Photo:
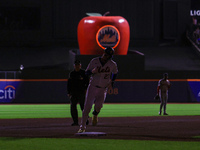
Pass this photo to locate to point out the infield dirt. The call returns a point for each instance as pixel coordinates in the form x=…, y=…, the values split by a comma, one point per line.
x=172, y=128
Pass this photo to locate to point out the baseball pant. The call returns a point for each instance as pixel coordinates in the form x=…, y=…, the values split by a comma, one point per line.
x=96, y=96
x=163, y=100
x=75, y=99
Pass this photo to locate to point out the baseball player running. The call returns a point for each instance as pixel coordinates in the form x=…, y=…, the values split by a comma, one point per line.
x=103, y=71
x=162, y=91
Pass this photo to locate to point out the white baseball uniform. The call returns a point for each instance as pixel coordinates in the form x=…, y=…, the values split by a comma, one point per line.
x=163, y=92
x=97, y=89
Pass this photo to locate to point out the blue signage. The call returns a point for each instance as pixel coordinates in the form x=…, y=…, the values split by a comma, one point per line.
x=195, y=88
x=8, y=91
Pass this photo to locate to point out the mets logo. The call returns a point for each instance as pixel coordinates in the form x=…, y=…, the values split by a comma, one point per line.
x=8, y=92
x=108, y=36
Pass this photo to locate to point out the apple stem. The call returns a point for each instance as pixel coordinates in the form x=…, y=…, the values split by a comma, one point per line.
x=106, y=13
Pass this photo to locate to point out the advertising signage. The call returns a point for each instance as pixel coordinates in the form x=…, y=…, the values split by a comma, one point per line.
x=8, y=91
x=195, y=8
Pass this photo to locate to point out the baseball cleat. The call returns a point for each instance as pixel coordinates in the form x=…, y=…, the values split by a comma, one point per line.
x=165, y=114
x=81, y=130
x=94, y=120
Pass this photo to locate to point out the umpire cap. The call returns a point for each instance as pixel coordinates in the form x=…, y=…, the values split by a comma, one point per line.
x=77, y=62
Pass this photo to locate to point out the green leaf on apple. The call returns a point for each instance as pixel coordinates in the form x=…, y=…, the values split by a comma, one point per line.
x=93, y=14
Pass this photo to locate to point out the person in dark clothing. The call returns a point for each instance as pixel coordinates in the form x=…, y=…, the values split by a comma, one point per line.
x=76, y=86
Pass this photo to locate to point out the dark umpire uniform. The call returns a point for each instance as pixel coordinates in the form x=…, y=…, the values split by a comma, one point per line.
x=77, y=85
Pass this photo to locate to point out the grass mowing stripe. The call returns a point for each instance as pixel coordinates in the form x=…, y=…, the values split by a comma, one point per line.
x=34, y=111
x=109, y=110
x=91, y=144
x=128, y=110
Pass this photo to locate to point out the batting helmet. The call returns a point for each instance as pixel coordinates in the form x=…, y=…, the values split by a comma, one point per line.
x=109, y=50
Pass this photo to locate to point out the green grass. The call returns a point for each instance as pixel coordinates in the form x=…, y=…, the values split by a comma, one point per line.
x=109, y=110
x=35, y=111
x=92, y=144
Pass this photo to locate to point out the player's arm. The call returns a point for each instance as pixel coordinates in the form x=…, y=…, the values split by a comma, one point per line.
x=89, y=68
x=93, y=71
x=69, y=84
x=88, y=72
x=169, y=84
x=158, y=88
x=114, y=75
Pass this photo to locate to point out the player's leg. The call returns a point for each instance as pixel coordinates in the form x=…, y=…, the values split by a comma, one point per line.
x=73, y=110
x=165, y=104
x=161, y=103
x=100, y=98
x=161, y=106
x=98, y=105
x=89, y=100
x=82, y=103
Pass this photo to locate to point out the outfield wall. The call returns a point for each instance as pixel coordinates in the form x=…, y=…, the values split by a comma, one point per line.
x=55, y=91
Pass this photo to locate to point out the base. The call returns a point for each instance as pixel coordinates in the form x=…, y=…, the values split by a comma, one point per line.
x=89, y=134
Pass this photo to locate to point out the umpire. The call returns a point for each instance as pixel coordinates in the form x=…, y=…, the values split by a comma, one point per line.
x=76, y=86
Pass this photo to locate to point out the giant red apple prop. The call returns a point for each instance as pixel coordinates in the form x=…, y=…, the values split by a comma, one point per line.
x=95, y=33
